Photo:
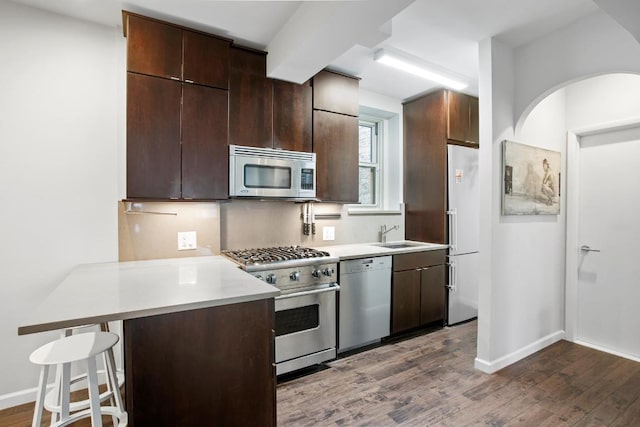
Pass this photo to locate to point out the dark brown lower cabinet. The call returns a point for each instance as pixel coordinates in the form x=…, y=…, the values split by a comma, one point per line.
x=211, y=366
x=417, y=290
x=406, y=300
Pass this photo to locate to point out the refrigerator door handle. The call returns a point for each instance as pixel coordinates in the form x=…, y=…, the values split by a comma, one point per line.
x=453, y=279
x=453, y=229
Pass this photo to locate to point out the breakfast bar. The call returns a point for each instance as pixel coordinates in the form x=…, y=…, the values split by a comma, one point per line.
x=197, y=336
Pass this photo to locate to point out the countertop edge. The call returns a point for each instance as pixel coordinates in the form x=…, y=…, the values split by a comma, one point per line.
x=364, y=250
x=56, y=325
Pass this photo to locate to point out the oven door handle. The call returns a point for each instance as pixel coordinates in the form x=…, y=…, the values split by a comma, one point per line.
x=332, y=288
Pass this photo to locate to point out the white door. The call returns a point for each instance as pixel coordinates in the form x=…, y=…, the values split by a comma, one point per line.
x=608, y=294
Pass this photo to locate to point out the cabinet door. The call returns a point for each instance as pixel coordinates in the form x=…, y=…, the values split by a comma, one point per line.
x=458, y=124
x=292, y=117
x=206, y=60
x=335, y=142
x=205, y=153
x=220, y=358
x=153, y=137
x=405, y=301
x=432, y=294
x=336, y=93
x=425, y=168
x=153, y=48
x=250, y=100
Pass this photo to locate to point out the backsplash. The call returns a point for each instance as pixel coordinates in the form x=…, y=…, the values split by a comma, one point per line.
x=251, y=224
x=149, y=230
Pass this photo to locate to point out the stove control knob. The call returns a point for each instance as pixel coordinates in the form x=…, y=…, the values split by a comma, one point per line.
x=295, y=276
x=259, y=276
x=328, y=271
x=315, y=273
x=271, y=279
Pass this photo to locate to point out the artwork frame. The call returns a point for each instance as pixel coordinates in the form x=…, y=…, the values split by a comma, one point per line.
x=530, y=180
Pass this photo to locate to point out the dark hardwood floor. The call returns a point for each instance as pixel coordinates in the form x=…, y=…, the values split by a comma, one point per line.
x=429, y=380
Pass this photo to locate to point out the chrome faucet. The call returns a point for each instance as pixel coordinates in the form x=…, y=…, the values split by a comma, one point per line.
x=384, y=231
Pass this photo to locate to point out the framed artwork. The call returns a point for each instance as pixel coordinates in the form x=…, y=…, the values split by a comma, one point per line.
x=531, y=180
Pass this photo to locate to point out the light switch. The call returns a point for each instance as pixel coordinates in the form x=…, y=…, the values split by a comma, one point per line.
x=187, y=240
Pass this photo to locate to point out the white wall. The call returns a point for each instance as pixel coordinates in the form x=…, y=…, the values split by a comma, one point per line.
x=60, y=104
x=602, y=100
x=591, y=46
x=522, y=276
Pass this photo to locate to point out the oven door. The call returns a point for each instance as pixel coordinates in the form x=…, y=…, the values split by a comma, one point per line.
x=305, y=328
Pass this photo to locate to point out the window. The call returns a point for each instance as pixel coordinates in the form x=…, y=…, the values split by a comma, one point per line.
x=370, y=165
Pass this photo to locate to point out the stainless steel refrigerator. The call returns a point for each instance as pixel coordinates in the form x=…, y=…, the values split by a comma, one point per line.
x=464, y=237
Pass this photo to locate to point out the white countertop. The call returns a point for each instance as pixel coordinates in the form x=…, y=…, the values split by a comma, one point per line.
x=360, y=250
x=95, y=293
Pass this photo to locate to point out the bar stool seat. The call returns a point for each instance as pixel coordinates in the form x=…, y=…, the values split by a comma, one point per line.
x=75, y=348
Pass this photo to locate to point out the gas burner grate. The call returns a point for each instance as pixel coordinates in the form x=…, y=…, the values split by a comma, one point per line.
x=273, y=254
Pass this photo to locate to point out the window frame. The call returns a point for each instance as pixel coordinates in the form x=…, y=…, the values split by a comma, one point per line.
x=376, y=124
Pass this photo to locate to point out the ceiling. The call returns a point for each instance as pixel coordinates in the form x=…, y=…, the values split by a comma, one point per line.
x=303, y=37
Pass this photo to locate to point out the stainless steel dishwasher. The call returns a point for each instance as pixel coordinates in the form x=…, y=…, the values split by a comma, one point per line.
x=365, y=301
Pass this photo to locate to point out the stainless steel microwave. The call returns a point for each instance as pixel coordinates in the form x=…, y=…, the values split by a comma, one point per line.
x=271, y=173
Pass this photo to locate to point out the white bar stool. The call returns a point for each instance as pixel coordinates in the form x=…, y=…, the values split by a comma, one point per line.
x=53, y=401
x=82, y=347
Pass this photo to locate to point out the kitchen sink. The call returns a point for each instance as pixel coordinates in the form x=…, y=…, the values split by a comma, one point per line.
x=399, y=245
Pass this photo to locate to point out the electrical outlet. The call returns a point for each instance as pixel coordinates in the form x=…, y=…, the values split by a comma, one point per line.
x=328, y=233
x=187, y=240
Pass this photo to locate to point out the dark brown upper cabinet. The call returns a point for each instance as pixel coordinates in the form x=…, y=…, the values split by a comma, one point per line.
x=176, y=140
x=292, y=116
x=335, y=92
x=205, y=152
x=335, y=136
x=430, y=123
x=335, y=142
x=250, y=99
x=153, y=137
x=165, y=50
x=264, y=112
x=462, y=123
x=206, y=60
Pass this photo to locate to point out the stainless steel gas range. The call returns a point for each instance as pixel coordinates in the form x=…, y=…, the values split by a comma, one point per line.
x=306, y=309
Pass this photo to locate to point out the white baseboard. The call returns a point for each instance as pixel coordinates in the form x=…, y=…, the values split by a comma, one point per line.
x=504, y=361
x=18, y=398
x=607, y=350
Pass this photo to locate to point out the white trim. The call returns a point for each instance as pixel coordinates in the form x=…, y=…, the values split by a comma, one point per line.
x=573, y=190
x=608, y=350
x=504, y=361
x=19, y=397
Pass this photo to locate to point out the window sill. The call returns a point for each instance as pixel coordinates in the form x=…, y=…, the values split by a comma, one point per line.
x=372, y=211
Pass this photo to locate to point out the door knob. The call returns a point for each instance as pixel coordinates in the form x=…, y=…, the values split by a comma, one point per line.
x=586, y=248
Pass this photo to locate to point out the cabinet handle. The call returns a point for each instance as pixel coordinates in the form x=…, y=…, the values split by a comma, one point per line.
x=174, y=78
x=188, y=81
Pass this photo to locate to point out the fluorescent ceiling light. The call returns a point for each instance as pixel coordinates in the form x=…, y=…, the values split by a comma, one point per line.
x=418, y=68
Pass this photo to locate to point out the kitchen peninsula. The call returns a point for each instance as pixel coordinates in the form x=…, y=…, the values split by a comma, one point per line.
x=197, y=332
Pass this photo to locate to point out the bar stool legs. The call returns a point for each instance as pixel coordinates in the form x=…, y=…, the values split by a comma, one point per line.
x=52, y=400
x=83, y=347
